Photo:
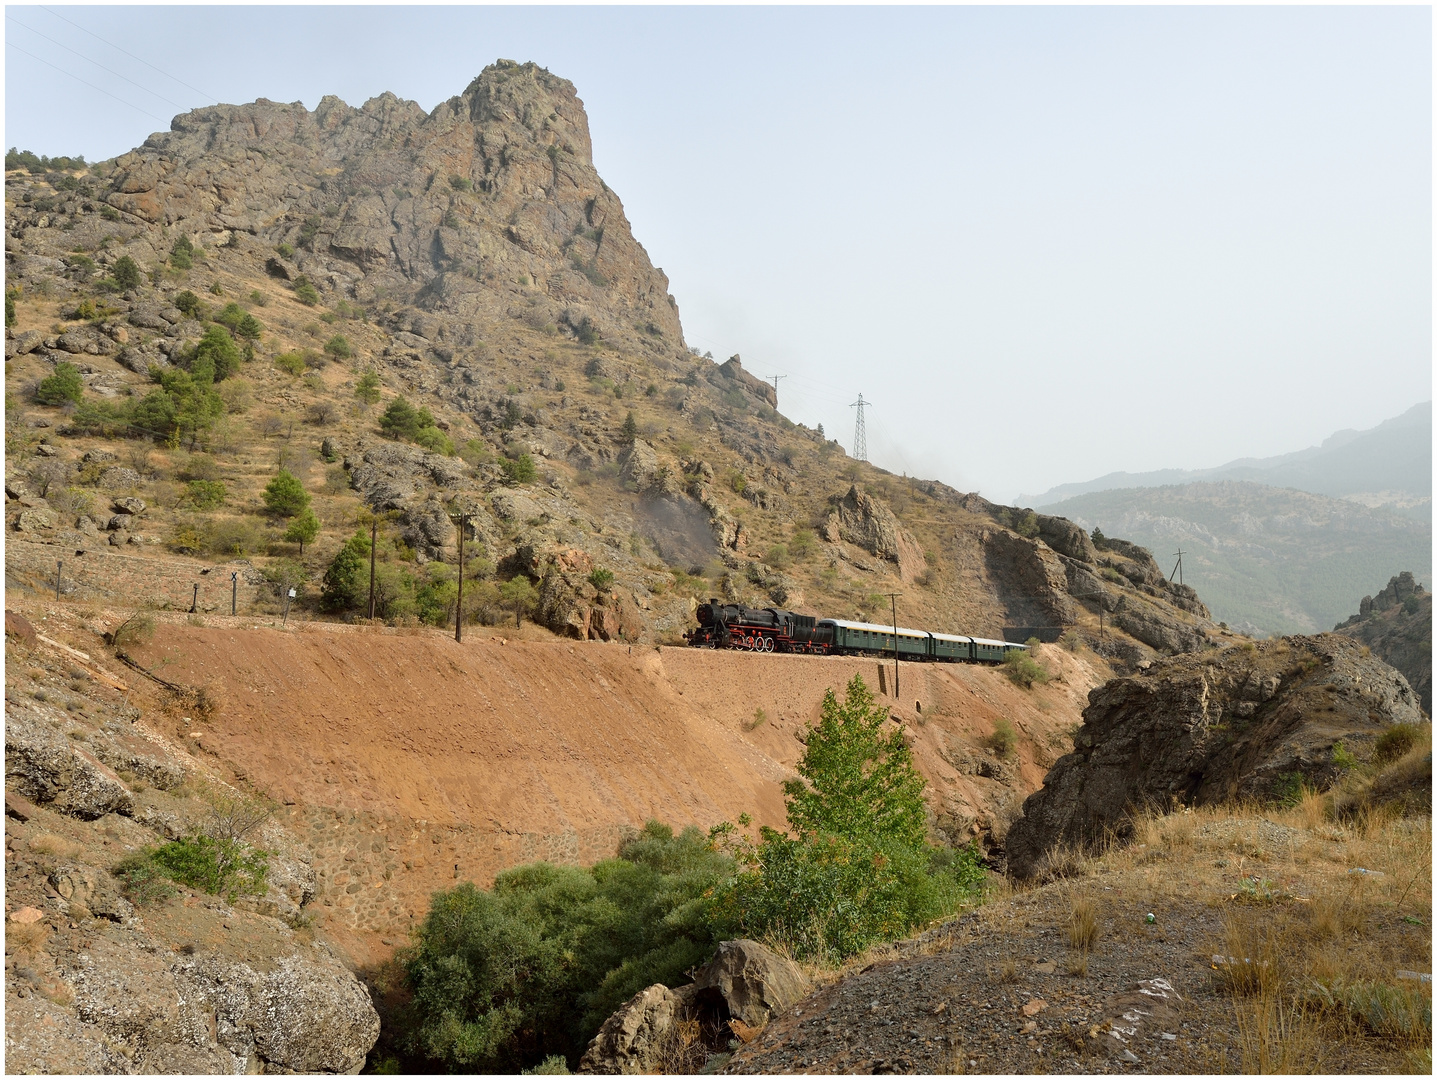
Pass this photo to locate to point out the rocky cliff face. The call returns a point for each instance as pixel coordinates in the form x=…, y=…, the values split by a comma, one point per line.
x=1396, y=625
x=100, y=979
x=1240, y=723
x=495, y=185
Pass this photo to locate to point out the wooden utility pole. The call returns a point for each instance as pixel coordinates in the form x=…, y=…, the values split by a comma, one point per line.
x=775, y=379
x=463, y=520
x=373, y=537
x=1178, y=569
x=893, y=596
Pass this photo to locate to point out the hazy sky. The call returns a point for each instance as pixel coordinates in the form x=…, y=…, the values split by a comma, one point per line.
x=1046, y=243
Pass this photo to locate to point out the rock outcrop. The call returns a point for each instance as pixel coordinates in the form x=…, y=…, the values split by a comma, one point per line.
x=1211, y=727
x=744, y=982
x=860, y=519
x=1396, y=625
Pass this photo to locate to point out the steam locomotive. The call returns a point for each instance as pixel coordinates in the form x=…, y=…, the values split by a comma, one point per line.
x=731, y=626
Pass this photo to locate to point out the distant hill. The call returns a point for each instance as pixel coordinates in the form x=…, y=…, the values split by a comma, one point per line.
x=1389, y=465
x=1264, y=559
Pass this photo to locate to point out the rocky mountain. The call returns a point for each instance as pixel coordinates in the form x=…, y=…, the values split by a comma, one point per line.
x=1396, y=625
x=1389, y=465
x=1267, y=560
x=445, y=315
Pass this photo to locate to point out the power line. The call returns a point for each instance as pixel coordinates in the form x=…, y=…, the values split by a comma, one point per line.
x=131, y=55
x=91, y=85
x=99, y=65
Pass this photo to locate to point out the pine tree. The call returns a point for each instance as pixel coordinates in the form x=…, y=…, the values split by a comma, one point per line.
x=303, y=528
x=285, y=495
x=630, y=429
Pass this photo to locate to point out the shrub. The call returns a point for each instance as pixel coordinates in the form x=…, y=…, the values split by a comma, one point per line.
x=519, y=470
x=216, y=357
x=1099, y=540
x=206, y=494
x=182, y=254
x=285, y=495
x=431, y=438
x=1023, y=670
x=292, y=363
x=461, y=183
x=125, y=271
x=141, y=880
x=189, y=304
x=257, y=298
x=1342, y=757
x=65, y=385
x=305, y=292
x=285, y=251
x=339, y=347
x=802, y=544
x=630, y=430
x=509, y=977
x=602, y=579
x=1396, y=741
x=240, y=322
x=1004, y=737
x=136, y=628
x=221, y=867
x=402, y=420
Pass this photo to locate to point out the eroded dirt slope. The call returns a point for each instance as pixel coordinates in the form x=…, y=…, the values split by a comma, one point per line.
x=405, y=760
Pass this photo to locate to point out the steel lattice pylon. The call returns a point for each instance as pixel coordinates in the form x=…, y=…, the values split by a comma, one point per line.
x=860, y=434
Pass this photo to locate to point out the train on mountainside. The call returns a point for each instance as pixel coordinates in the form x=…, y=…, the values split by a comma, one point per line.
x=732, y=626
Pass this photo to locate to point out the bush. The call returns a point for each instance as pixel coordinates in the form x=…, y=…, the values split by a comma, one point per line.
x=189, y=304
x=1023, y=670
x=431, y=438
x=240, y=323
x=1396, y=741
x=126, y=271
x=292, y=363
x=602, y=579
x=1004, y=737
x=339, y=347
x=509, y=977
x=182, y=253
x=221, y=867
x=519, y=470
x=63, y=387
x=206, y=494
x=285, y=495
x=305, y=292
x=402, y=420
x=216, y=357
x=142, y=880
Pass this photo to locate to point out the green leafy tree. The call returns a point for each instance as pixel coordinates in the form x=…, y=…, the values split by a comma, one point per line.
x=402, y=420
x=285, y=495
x=367, y=388
x=216, y=357
x=346, y=582
x=126, y=273
x=339, y=347
x=182, y=253
x=504, y=979
x=64, y=386
x=303, y=528
x=857, y=780
x=518, y=594
x=858, y=868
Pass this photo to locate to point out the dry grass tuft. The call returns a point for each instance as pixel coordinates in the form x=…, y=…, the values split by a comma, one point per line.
x=23, y=936
x=1278, y=1036
x=1082, y=930
x=54, y=844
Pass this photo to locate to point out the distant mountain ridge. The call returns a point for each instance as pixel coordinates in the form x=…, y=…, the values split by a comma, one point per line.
x=1390, y=464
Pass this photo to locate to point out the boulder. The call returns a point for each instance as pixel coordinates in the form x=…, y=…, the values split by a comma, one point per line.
x=1068, y=539
x=119, y=478
x=128, y=506
x=1206, y=728
x=632, y=1039
x=43, y=766
x=753, y=982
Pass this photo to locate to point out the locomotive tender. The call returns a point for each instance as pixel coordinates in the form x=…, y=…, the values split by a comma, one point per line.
x=731, y=626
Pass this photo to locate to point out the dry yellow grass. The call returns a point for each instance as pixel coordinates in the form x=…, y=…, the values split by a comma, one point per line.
x=53, y=844
x=1083, y=924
